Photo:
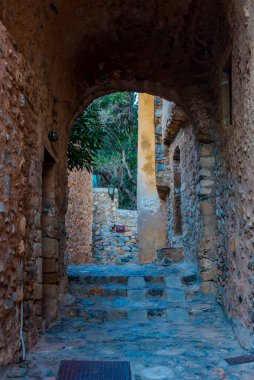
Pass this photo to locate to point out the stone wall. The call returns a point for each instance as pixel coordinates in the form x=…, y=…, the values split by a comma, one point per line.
x=208, y=246
x=177, y=168
x=235, y=175
x=109, y=246
x=182, y=203
x=204, y=111
x=162, y=119
x=185, y=177
x=27, y=238
x=50, y=70
x=13, y=185
x=79, y=217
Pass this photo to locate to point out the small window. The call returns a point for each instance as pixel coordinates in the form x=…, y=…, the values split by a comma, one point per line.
x=176, y=156
x=177, y=214
x=177, y=169
x=177, y=192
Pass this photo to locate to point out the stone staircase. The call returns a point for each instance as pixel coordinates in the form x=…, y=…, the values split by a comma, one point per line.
x=155, y=317
x=135, y=293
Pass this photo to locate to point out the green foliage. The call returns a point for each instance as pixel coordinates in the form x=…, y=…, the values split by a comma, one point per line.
x=117, y=159
x=105, y=138
x=86, y=139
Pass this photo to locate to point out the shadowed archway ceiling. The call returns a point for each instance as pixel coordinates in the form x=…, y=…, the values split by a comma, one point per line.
x=94, y=41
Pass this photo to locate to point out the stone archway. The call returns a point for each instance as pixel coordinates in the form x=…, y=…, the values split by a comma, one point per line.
x=58, y=56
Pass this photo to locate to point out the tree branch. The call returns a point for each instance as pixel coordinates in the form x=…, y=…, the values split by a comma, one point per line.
x=103, y=175
x=126, y=166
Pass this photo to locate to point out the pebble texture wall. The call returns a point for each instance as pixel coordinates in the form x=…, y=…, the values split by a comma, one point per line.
x=185, y=176
x=22, y=121
x=79, y=217
x=182, y=204
x=13, y=219
x=235, y=178
x=177, y=168
x=109, y=246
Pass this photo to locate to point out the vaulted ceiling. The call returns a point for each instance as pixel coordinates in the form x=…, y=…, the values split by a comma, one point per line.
x=89, y=43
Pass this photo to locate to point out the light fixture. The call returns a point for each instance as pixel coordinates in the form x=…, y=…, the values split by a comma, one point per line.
x=53, y=136
x=111, y=191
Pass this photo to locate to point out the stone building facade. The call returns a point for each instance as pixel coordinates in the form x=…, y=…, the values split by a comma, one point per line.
x=73, y=52
x=177, y=164
x=109, y=245
x=185, y=181
x=78, y=219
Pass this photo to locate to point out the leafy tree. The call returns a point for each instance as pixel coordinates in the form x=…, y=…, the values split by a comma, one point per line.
x=105, y=138
x=117, y=159
x=86, y=139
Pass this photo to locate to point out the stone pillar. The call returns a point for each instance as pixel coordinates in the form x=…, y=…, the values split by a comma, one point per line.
x=208, y=256
x=50, y=242
x=151, y=221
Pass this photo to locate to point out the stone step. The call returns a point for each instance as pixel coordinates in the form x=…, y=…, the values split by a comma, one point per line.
x=137, y=281
x=137, y=293
x=89, y=274
x=116, y=291
x=100, y=290
x=154, y=279
x=141, y=315
x=175, y=307
x=88, y=280
x=173, y=300
x=121, y=309
x=171, y=313
x=150, y=291
x=153, y=287
x=133, y=282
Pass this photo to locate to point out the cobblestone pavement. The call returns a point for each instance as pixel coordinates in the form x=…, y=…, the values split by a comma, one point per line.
x=154, y=317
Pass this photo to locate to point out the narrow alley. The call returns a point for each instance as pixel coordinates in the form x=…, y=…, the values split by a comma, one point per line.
x=155, y=317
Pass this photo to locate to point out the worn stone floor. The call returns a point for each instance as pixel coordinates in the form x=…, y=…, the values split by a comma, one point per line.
x=154, y=317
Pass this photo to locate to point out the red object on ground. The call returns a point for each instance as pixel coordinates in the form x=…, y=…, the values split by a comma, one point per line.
x=120, y=228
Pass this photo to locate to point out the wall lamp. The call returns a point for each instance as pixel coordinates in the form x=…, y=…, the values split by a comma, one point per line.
x=53, y=136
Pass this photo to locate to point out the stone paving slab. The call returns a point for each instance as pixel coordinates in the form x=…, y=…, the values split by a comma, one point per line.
x=191, y=342
x=132, y=270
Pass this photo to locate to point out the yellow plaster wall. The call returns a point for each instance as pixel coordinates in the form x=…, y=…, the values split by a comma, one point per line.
x=151, y=219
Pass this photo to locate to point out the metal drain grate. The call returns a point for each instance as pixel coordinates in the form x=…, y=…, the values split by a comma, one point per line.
x=240, y=359
x=93, y=370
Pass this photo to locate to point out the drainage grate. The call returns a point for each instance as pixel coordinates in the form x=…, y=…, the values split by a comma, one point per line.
x=240, y=359
x=93, y=370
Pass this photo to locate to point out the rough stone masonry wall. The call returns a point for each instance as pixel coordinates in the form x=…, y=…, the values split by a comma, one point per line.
x=110, y=247
x=183, y=139
x=79, y=217
x=46, y=77
x=208, y=247
x=188, y=237
x=187, y=181
x=25, y=112
x=204, y=111
x=235, y=177
x=13, y=220
x=32, y=233
x=161, y=117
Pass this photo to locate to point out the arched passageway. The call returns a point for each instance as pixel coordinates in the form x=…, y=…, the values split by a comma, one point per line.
x=56, y=57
